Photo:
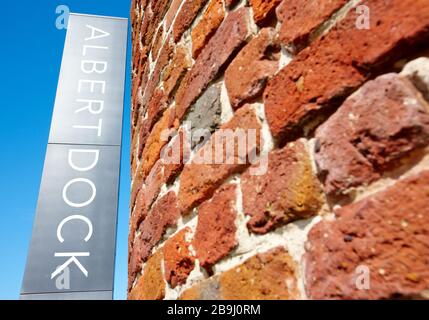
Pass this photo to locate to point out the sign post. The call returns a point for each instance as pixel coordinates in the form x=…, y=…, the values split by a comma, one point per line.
x=72, y=250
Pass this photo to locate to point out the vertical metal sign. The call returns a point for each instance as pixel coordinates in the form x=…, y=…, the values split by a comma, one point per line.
x=72, y=250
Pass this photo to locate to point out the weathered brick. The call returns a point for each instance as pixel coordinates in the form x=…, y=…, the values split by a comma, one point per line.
x=145, y=28
x=178, y=259
x=143, y=135
x=289, y=189
x=161, y=63
x=153, y=184
x=301, y=18
x=266, y=276
x=157, y=44
x=150, y=286
x=418, y=72
x=156, y=140
x=171, y=13
x=263, y=10
x=164, y=214
x=231, y=36
x=133, y=166
x=133, y=15
x=319, y=78
x=200, y=178
x=230, y=3
x=215, y=234
x=374, y=128
x=186, y=16
x=137, y=216
x=174, y=72
x=139, y=213
x=136, y=185
x=134, y=147
x=207, y=26
x=385, y=234
x=137, y=83
x=247, y=75
x=159, y=8
x=134, y=260
x=156, y=106
x=143, y=84
x=175, y=155
x=205, y=113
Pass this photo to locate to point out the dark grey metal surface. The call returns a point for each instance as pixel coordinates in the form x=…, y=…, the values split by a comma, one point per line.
x=72, y=251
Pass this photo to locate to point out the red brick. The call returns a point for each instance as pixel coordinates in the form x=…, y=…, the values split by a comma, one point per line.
x=171, y=13
x=247, y=75
x=134, y=147
x=133, y=166
x=153, y=184
x=159, y=8
x=143, y=84
x=160, y=64
x=200, y=179
x=139, y=213
x=137, y=216
x=178, y=259
x=136, y=185
x=265, y=276
x=157, y=44
x=301, y=18
x=207, y=26
x=137, y=82
x=215, y=234
x=387, y=233
x=230, y=3
x=156, y=140
x=175, y=71
x=134, y=261
x=188, y=12
x=143, y=135
x=177, y=152
x=150, y=286
x=263, y=10
x=288, y=191
x=374, y=129
x=231, y=36
x=319, y=78
x=146, y=28
x=132, y=12
x=164, y=214
x=156, y=106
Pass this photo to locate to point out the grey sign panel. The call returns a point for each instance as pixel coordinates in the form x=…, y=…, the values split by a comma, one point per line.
x=90, y=93
x=75, y=219
x=72, y=250
x=90, y=295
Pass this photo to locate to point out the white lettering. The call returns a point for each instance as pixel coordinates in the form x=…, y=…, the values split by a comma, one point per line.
x=82, y=204
x=90, y=104
x=82, y=151
x=93, y=66
x=74, y=217
x=72, y=256
x=96, y=33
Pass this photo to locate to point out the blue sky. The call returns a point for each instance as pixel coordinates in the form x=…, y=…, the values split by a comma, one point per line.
x=30, y=58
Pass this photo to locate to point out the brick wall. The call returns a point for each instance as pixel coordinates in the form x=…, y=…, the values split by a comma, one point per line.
x=330, y=196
